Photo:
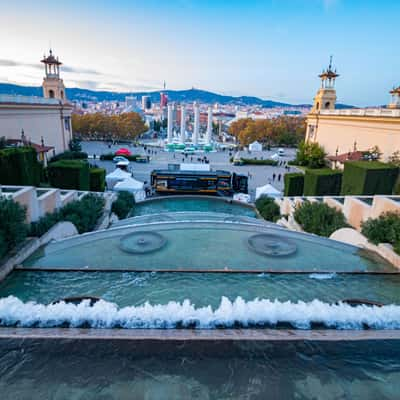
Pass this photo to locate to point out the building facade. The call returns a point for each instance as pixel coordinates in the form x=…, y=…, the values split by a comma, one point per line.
x=40, y=120
x=352, y=130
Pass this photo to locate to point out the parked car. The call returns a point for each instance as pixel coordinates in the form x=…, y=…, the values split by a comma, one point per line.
x=281, y=152
x=119, y=158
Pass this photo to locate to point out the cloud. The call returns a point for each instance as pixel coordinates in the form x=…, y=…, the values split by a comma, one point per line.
x=65, y=68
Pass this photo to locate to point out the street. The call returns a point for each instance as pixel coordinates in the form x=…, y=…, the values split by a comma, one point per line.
x=259, y=175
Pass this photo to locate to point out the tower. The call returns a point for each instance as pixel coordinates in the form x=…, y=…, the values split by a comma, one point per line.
x=326, y=95
x=53, y=85
x=196, y=127
x=395, y=103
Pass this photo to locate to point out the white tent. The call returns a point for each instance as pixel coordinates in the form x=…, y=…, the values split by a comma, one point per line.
x=267, y=190
x=255, y=146
x=116, y=176
x=133, y=186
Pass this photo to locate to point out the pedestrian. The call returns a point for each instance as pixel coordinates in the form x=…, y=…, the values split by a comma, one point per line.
x=279, y=177
x=273, y=176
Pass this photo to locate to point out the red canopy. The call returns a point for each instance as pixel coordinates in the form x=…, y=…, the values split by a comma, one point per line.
x=123, y=152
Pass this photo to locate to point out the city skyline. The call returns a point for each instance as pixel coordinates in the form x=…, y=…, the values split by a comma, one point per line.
x=269, y=49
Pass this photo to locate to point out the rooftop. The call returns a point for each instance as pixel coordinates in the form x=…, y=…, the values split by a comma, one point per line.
x=17, y=99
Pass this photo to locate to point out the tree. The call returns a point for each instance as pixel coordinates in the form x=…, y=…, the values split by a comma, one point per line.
x=311, y=155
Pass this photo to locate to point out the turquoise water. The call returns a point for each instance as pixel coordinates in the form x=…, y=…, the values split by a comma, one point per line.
x=135, y=289
x=184, y=216
x=190, y=203
x=201, y=245
x=110, y=370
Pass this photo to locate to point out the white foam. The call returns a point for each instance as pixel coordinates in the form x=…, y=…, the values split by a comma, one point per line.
x=13, y=312
x=322, y=276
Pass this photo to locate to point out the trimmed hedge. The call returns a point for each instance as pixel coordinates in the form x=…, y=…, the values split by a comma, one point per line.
x=368, y=178
x=13, y=229
x=123, y=204
x=19, y=166
x=268, y=209
x=83, y=213
x=322, y=182
x=294, y=184
x=251, y=161
x=97, y=177
x=70, y=155
x=384, y=229
x=319, y=218
x=110, y=156
x=69, y=174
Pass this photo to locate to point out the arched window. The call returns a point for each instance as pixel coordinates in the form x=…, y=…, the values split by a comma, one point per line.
x=51, y=94
x=327, y=104
x=62, y=94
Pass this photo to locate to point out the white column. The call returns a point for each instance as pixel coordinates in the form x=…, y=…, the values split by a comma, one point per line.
x=196, y=127
x=170, y=123
x=183, y=123
x=209, y=126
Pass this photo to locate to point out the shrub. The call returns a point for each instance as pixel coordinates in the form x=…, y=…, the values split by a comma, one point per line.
x=319, y=218
x=311, y=155
x=13, y=229
x=368, y=178
x=69, y=174
x=97, y=177
x=75, y=145
x=123, y=204
x=268, y=209
x=251, y=161
x=294, y=184
x=19, y=166
x=83, y=213
x=322, y=182
x=40, y=227
x=70, y=155
x=384, y=229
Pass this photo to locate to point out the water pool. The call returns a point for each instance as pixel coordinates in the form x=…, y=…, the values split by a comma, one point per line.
x=185, y=216
x=122, y=370
x=202, y=246
x=192, y=203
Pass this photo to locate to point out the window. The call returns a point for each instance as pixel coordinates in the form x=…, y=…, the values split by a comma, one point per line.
x=51, y=94
x=327, y=104
x=67, y=123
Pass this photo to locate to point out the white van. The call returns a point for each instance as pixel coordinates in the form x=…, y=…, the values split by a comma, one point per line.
x=281, y=152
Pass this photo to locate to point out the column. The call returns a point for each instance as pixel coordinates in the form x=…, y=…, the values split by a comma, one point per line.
x=170, y=123
x=209, y=127
x=196, y=127
x=183, y=123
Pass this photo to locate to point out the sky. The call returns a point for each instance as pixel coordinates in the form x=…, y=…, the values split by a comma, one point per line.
x=273, y=49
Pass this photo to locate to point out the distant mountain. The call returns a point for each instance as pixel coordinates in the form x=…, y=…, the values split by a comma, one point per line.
x=189, y=95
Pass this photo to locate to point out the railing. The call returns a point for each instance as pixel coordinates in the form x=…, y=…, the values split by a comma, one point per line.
x=364, y=112
x=17, y=99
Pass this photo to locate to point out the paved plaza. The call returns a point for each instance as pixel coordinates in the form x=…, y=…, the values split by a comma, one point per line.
x=259, y=175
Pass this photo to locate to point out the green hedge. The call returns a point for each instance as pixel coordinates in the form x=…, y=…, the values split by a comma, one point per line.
x=70, y=155
x=123, y=204
x=368, y=178
x=19, y=166
x=268, y=209
x=294, y=184
x=319, y=218
x=97, y=177
x=251, y=161
x=13, y=228
x=83, y=213
x=110, y=156
x=322, y=182
x=69, y=174
x=384, y=229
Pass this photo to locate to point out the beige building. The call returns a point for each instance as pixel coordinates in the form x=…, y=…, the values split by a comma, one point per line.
x=343, y=131
x=44, y=121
